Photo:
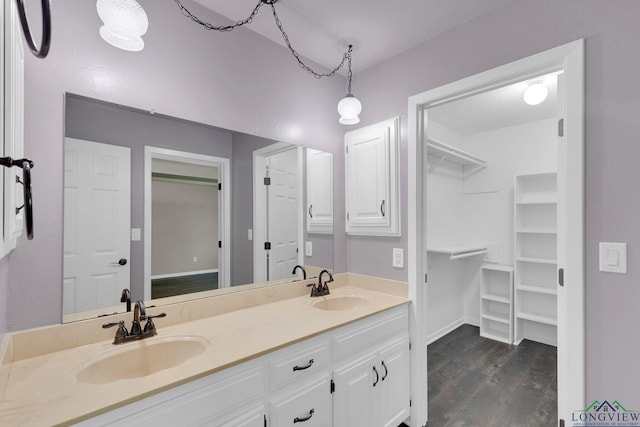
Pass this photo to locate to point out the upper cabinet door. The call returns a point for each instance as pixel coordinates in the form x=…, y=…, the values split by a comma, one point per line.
x=319, y=192
x=372, y=184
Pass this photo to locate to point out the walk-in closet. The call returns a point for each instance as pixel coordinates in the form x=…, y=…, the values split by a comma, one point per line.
x=491, y=220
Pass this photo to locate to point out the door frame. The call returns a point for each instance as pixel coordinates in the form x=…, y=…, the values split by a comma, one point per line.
x=224, y=208
x=571, y=321
x=260, y=203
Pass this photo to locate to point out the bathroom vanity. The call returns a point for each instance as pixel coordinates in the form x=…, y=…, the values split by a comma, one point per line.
x=277, y=357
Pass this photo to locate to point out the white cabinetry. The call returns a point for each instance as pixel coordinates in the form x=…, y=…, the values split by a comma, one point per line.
x=11, y=124
x=319, y=192
x=536, y=258
x=372, y=182
x=371, y=388
x=496, y=303
x=356, y=375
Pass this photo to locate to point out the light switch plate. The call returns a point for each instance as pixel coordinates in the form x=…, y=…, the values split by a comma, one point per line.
x=398, y=257
x=613, y=257
x=135, y=234
x=308, y=248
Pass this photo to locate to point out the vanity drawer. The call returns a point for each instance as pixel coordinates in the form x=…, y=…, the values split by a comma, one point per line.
x=299, y=362
x=308, y=405
x=360, y=336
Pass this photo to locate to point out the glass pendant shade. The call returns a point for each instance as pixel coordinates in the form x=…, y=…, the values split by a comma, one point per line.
x=125, y=21
x=536, y=93
x=349, y=108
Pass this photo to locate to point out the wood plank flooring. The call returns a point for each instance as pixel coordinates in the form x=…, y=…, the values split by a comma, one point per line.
x=474, y=381
x=171, y=286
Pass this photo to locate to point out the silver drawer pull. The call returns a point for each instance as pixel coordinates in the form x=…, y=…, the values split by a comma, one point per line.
x=302, y=368
x=307, y=418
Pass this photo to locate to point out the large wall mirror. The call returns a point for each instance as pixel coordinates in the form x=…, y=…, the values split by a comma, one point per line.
x=163, y=209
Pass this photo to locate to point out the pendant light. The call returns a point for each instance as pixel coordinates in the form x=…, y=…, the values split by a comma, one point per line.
x=536, y=92
x=349, y=107
x=125, y=21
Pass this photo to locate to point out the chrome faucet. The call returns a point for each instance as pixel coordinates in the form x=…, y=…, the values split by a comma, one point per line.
x=304, y=272
x=321, y=289
x=136, y=333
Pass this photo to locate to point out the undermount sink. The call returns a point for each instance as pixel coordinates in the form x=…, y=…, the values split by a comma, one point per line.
x=140, y=359
x=340, y=302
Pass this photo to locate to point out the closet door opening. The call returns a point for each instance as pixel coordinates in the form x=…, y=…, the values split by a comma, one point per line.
x=499, y=198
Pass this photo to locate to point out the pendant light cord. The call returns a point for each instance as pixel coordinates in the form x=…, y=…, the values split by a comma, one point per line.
x=226, y=28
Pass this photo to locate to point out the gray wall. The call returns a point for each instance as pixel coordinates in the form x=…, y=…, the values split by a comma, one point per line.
x=101, y=122
x=238, y=81
x=519, y=29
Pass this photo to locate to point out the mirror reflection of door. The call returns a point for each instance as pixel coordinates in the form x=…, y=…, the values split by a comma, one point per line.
x=97, y=216
x=185, y=228
x=282, y=213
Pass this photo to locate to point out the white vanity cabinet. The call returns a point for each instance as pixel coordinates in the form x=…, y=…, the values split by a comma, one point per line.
x=371, y=383
x=11, y=124
x=327, y=380
x=372, y=182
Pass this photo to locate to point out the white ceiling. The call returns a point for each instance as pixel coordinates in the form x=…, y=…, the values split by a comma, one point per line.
x=495, y=109
x=322, y=29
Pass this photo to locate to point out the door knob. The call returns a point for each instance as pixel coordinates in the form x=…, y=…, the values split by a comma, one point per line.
x=121, y=261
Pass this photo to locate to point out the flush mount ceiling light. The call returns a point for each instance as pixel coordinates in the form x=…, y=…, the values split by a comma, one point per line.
x=125, y=22
x=349, y=107
x=536, y=92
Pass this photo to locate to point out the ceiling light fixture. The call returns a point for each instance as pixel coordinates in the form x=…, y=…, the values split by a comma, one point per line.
x=536, y=92
x=349, y=106
x=125, y=22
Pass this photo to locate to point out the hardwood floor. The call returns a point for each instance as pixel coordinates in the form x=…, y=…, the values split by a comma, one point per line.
x=474, y=381
x=168, y=287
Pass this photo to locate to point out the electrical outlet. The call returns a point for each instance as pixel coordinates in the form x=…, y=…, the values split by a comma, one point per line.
x=398, y=257
x=135, y=234
x=308, y=248
x=195, y=259
x=250, y=234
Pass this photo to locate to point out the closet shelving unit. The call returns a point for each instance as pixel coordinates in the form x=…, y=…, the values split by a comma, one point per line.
x=459, y=251
x=441, y=151
x=535, y=274
x=496, y=303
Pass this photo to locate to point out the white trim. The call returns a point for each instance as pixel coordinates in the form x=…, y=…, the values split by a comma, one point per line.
x=183, y=274
x=259, y=202
x=224, y=167
x=571, y=320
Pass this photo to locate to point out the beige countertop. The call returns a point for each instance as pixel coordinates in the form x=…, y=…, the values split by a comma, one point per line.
x=42, y=389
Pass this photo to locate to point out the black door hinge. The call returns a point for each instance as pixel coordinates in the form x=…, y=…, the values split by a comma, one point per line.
x=409, y=346
x=561, y=127
x=219, y=186
x=267, y=246
x=561, y=277
x=265, y=421
x=409, y=402
x=332, y=387
x=425, y=278
x=219, y=243
x=267, y=180
x=561, y=423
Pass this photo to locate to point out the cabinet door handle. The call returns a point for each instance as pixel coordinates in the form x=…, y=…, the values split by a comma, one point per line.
x=386, y=371
x=302, y=368
x=377, y=376
x=307, y=418
x=382, y=208
x=311, y=211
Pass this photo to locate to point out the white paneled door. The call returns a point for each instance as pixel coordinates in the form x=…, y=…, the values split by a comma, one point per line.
x=282, y=211
x=97, y=216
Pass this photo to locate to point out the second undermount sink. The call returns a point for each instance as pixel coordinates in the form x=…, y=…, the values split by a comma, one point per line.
x=141, y=358
x=340, y=302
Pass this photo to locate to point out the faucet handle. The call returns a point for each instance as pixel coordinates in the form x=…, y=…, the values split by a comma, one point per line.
x=121, y=333
x=150, y=327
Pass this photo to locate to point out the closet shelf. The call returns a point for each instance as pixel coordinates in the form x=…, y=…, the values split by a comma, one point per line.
x=496, y=319
x=536, y=231
x=446, y=152
x=537, y=260
x=537, y=318
x=496, y=298
x=537, y=289
x=462, y=251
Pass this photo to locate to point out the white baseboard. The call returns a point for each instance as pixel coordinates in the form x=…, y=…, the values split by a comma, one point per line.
x=186, y=273
x=435, y=336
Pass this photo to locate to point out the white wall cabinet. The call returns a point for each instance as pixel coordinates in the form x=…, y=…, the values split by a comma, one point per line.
x=304, y=384
x=11, y=124
x=496, y=303
x=536, y=258
x=319, y=192
x=372, y=181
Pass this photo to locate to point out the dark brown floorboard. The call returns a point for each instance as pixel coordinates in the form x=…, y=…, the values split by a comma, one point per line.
x=478, y=382
x=171, y=286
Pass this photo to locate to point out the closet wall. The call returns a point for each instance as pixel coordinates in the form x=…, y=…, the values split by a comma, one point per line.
x=476, y=208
